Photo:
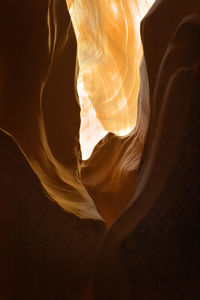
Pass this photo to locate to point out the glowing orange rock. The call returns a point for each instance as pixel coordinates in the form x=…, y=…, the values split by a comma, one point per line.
x=109, y=56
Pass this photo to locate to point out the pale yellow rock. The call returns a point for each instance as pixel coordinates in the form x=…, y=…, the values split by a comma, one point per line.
x=109, y=57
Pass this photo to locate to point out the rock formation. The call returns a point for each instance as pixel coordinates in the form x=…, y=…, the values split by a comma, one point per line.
x=145, y=185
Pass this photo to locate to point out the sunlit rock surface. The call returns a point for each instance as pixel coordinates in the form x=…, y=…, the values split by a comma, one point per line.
x=109, y=56
x=110, y=173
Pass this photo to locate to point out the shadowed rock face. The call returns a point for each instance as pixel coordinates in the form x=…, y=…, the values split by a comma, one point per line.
x=38, y=99
x=152, y=250
x=45, y=252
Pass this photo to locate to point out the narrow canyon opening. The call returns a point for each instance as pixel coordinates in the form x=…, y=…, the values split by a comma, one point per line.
x=108, y=60
x=112, y=90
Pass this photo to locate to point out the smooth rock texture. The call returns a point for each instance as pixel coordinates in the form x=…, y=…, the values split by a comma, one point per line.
x=145, y=185
x=152, y=250
x=45, y=253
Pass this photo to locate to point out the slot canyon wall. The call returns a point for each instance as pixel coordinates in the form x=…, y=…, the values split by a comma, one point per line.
x=45, y=252
x=152, y=250
x=146, y=184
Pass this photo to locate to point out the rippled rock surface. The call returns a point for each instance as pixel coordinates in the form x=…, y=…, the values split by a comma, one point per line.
x=146, y=184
